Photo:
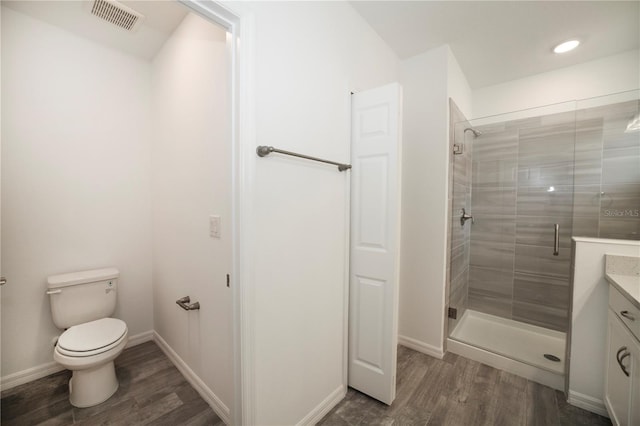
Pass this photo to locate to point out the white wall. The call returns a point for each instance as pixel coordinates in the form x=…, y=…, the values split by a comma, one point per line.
x=589, y=319
x=613, y=74
x=428, y=79
x=191, y=179
x=458, y=87
x=424, y=186
x=75, y=179
x=308, y=56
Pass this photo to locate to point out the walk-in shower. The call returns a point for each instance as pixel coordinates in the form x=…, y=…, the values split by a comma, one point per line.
x=521, y=186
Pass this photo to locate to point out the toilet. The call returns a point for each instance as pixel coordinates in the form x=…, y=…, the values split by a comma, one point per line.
x=81, y=304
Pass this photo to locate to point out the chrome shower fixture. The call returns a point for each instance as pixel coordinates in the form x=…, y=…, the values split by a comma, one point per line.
x=475, y=132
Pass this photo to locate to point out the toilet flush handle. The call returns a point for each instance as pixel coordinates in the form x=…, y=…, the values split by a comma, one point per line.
x=58, y=291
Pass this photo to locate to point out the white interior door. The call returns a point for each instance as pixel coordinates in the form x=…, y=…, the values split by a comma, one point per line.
x=375, y=238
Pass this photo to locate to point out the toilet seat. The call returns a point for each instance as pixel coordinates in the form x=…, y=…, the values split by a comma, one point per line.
x=92, y=338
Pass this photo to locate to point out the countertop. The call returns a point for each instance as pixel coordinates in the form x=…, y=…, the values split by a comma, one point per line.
x=623, y=272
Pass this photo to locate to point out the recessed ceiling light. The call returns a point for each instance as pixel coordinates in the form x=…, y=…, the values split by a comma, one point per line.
x=566, y=46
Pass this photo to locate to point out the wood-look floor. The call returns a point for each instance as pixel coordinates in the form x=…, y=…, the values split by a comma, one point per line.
x=453, y=391
x=152, y=391
x=459, y=392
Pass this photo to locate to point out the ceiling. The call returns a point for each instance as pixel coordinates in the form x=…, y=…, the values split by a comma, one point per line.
x=498, y=41
x=493, y=41
x=161, y=18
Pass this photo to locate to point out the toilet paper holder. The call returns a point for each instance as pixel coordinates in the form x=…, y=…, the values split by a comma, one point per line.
x=185, y=303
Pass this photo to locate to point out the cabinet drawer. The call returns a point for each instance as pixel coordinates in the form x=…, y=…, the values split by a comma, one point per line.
x=627, y=312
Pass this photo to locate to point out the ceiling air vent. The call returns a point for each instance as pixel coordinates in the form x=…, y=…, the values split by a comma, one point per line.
x=117, y=14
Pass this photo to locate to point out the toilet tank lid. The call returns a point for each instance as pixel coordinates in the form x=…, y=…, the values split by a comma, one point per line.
x=83, y=277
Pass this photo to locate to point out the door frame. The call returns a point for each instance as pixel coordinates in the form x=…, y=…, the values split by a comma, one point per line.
x=239, y=27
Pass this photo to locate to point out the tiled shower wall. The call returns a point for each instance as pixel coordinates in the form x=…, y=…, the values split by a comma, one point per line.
x=611, y=157
x=522, y=184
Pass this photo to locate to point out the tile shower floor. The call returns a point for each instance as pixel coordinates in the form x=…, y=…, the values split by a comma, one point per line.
x=522, y=342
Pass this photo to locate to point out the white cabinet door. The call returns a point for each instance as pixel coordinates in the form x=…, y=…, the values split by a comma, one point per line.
x=634, y=400
x=375, y=237
x=621, y=358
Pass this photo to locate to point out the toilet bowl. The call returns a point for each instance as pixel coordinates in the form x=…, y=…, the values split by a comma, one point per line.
x=82, y=304
x=89, y=350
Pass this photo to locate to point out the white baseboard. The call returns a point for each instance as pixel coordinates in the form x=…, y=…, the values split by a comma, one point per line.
x=38, y=372
x=30, y=374
x=139, y=338
x=324, y=407
x=422, y=347
x=587, y=402
x=207, y=394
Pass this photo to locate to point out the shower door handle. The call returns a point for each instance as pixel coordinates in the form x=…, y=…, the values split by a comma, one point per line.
x=556, y=239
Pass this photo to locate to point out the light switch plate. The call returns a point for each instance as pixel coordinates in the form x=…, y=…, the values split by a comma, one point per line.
x=214, y=226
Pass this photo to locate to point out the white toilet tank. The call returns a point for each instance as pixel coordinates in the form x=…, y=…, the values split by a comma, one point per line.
x=80, y=297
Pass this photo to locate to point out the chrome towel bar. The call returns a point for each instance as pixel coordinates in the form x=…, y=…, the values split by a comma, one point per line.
x=185, y=303
x=264, y=150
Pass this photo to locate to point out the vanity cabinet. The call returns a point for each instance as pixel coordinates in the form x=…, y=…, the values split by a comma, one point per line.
x=622, y=381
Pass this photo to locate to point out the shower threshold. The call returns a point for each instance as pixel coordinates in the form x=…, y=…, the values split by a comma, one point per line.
x=512, y=346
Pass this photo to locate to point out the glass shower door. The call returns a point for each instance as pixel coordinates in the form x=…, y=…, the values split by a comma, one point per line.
x=608, y=168
x=531, y=180
x=519, y=190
